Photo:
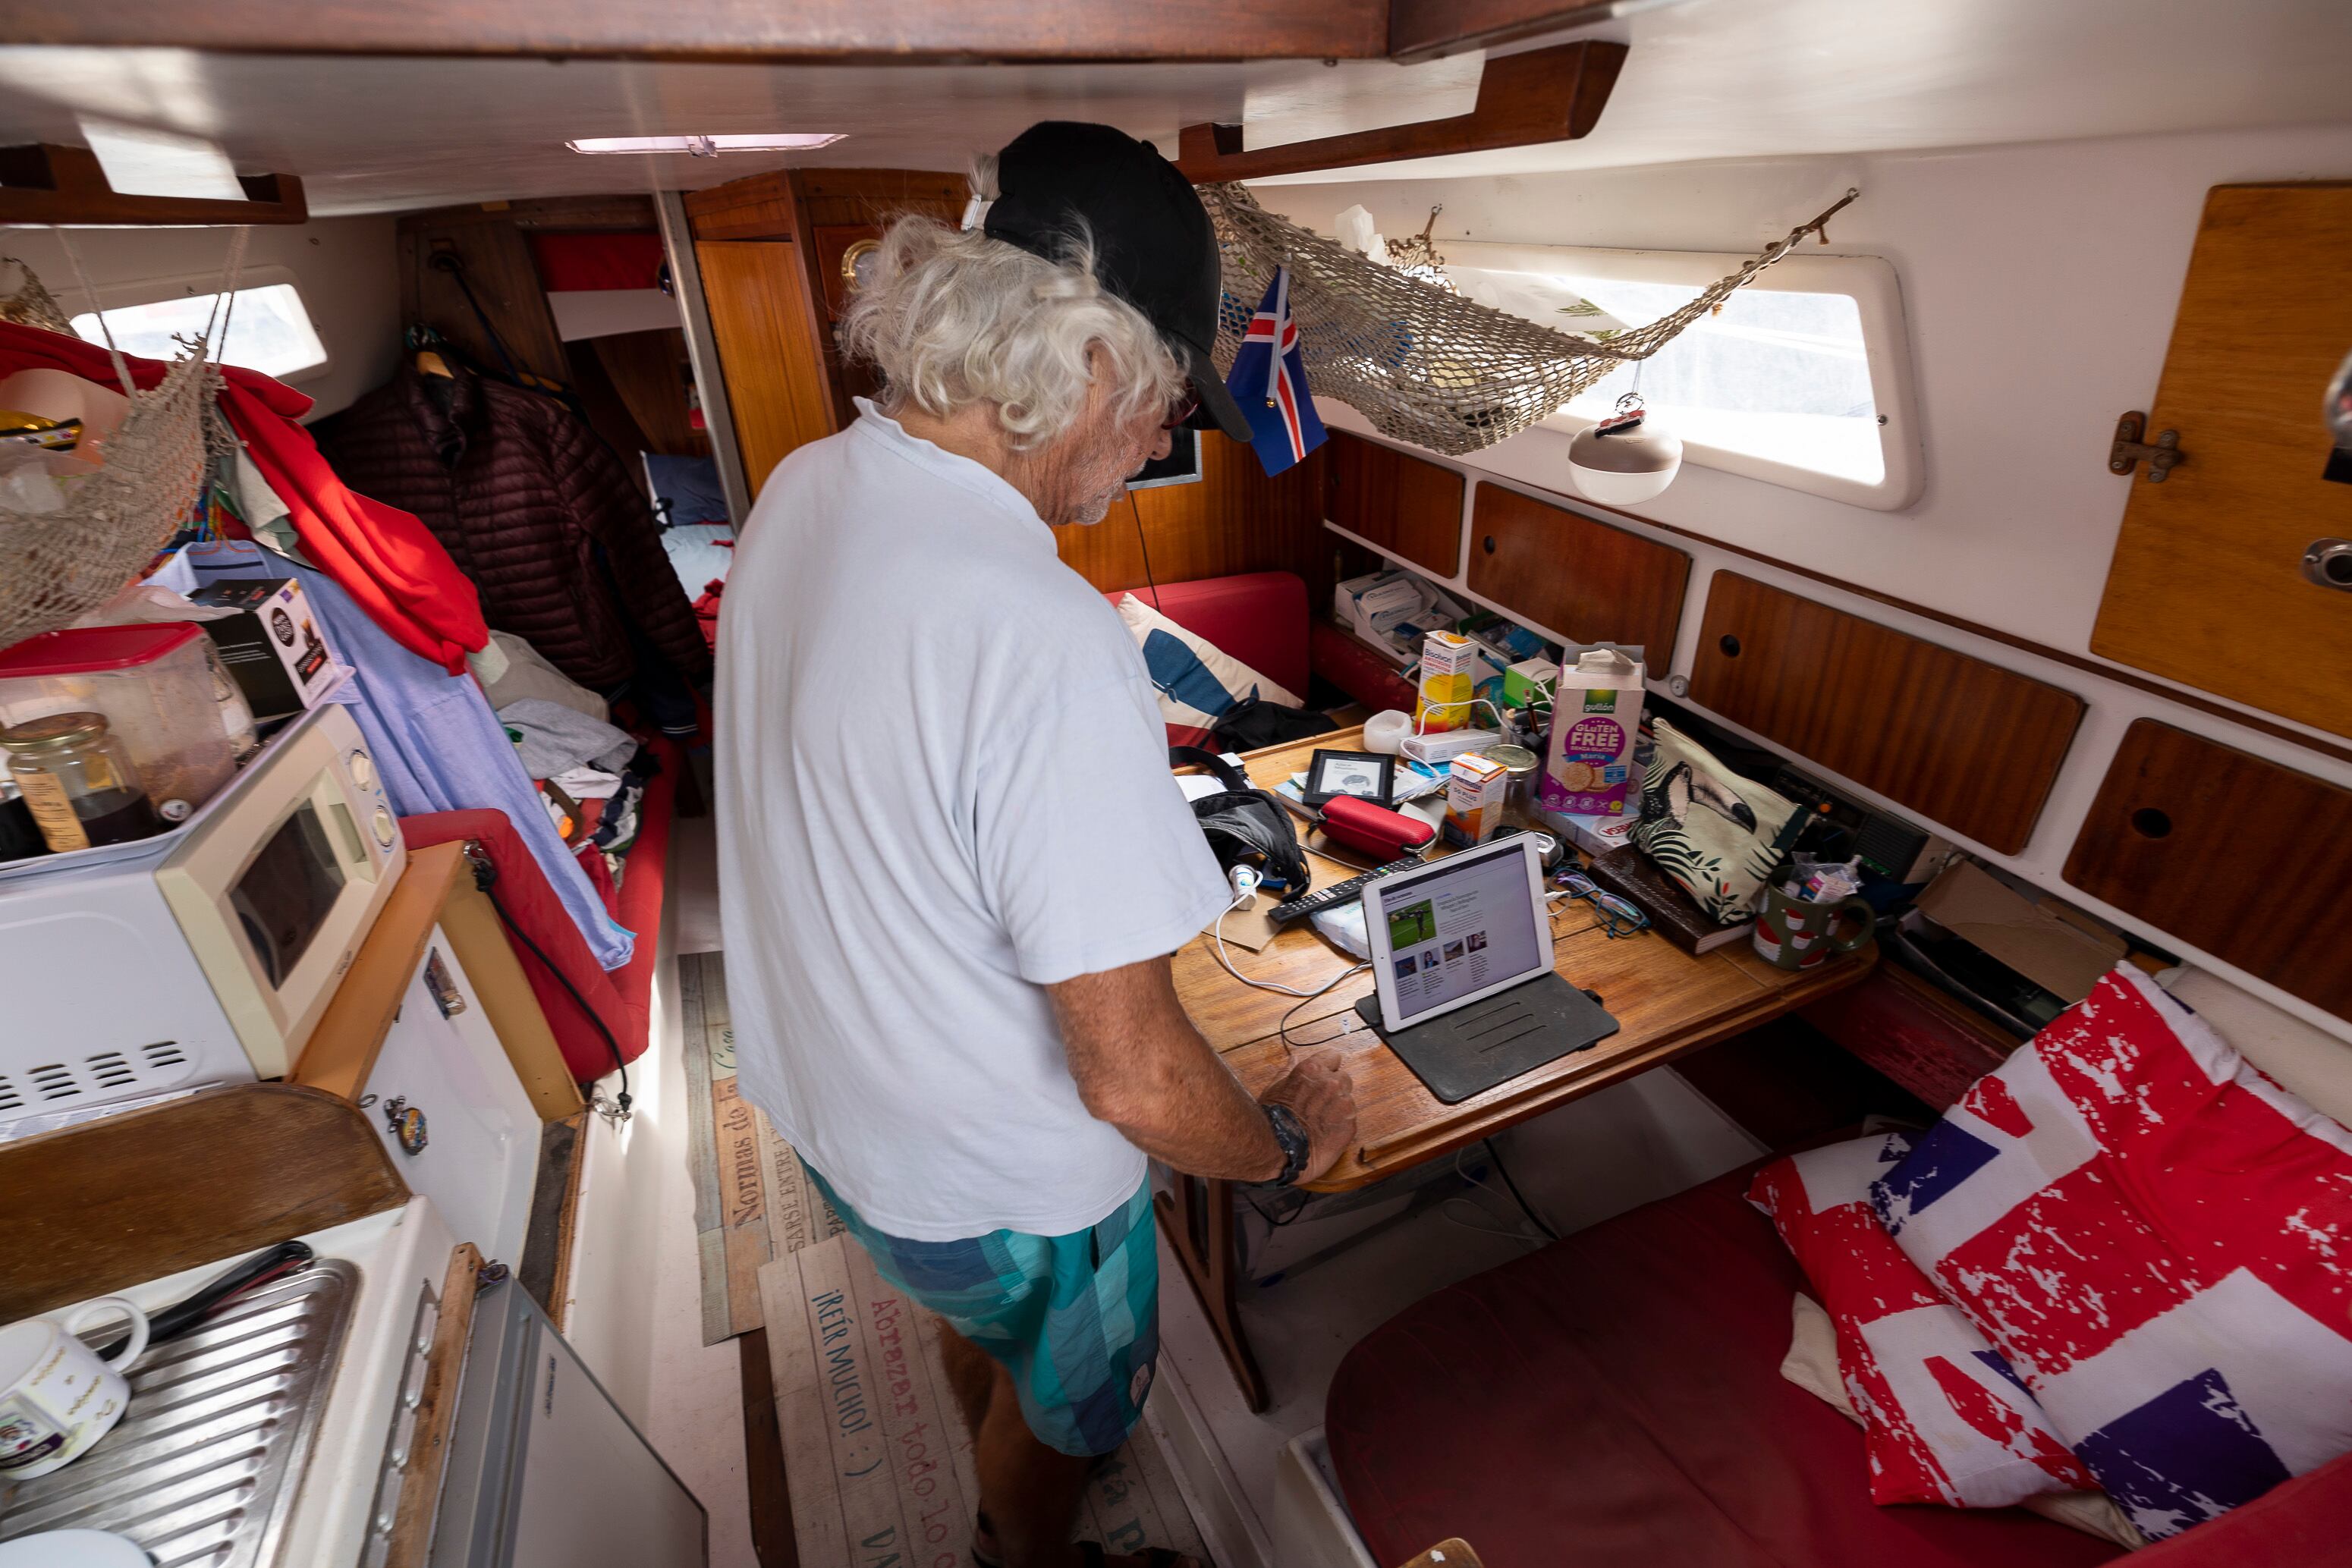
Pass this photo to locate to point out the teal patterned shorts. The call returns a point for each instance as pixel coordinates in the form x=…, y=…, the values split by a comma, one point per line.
x=1075, y=1319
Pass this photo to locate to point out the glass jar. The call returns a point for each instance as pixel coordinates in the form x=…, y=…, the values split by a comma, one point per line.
x=1523, y=767
x=20, y=836
x=78, y=782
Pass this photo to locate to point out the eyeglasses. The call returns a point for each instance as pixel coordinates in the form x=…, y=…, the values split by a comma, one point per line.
x=1185, y=408
x=1618, y=918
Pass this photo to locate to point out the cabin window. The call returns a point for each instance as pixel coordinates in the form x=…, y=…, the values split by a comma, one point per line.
x=1802, y=378
x=270, y=330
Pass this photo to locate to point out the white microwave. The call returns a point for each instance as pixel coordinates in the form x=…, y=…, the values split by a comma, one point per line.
x=208, y=957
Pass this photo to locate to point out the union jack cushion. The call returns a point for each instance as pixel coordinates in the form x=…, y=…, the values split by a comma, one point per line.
x=1944, y=1420
x=2159, y=1239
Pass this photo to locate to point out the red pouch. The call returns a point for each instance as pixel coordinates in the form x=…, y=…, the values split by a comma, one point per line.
x=1378, y=832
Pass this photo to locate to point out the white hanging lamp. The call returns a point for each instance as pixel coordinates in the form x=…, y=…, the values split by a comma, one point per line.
x=1625, y=458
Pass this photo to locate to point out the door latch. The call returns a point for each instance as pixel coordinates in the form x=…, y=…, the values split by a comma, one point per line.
x=2162, y=456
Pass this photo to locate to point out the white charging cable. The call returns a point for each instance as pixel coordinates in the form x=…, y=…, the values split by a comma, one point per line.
x=1245, y=879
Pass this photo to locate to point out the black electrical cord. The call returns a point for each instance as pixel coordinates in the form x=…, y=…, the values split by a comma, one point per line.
x=485, y=873
x=1136, y=512
x=1501, y=1170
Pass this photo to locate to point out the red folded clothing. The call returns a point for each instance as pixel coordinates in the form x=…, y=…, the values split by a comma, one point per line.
x=383, y=557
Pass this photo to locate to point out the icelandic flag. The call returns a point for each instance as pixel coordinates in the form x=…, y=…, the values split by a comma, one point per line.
x=1269, y=381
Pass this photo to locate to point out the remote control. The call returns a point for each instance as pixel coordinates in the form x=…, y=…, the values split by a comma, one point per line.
x=1339, y=893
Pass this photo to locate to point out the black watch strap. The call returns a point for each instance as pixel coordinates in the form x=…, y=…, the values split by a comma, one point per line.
x=1291, y=1134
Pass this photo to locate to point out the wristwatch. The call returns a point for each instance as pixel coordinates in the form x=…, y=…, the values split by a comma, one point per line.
x=1291, y=1134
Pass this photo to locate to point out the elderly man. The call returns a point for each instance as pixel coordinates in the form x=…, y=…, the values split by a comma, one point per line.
x=953, y=866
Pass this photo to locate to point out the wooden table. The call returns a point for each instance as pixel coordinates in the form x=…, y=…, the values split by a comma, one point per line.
x=1668, y=1004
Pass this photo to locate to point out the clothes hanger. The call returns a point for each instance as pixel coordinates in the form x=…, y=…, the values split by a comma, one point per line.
x=424, y=343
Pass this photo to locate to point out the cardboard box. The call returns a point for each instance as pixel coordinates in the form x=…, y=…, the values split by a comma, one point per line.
x=1596, y=715
x=1595, y=833
x=2061, y=950
x=1529, y=681
x=272, y=646
x=1450, y=664
x=1475, y=793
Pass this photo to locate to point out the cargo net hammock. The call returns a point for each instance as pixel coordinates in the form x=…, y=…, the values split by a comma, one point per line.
x=68, y=544
x=1422, y=362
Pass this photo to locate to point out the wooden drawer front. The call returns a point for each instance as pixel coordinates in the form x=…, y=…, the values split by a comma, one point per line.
x=1964, y=743
x=1410, y=509
x=2207, y=585
x=1583, y=579
x=2232, y=854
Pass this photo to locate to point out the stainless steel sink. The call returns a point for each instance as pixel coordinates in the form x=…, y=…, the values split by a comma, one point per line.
x=202, y=1470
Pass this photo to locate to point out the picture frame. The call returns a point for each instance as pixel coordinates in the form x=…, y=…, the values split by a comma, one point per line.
x=1367, y=775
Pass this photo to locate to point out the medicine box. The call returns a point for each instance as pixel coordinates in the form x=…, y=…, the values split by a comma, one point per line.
x=1475, y=793
x=1449, y=678
x=272, y=646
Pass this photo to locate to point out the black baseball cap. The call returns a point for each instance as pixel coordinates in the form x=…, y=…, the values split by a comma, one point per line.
x=1154, y=245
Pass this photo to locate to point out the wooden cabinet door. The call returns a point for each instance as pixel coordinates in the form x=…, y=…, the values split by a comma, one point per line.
x=1582, y=579
x=766, y=331
x=1409, y=507
x=2207, y=585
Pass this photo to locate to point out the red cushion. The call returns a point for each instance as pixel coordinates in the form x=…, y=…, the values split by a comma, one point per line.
x=1259, y=618
x=522, y=889
x=1615, y=1401
x=1353, y=667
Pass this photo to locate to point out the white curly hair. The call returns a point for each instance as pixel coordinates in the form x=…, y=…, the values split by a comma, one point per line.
x=952, y=318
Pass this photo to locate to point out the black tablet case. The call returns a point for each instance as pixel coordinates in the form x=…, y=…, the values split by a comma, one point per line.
x=1472, y=1048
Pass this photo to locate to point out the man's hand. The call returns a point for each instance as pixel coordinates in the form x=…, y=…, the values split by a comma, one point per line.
x=1142, y=1066
x=1319, y=1090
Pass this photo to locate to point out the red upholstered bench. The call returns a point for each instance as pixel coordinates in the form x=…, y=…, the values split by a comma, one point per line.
x=1615, y=1401
x=1263, y=619
x=622, y=999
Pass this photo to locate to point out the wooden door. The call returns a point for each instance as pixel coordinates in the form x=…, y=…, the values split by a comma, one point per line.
x=766, y=331
x=2207, y=585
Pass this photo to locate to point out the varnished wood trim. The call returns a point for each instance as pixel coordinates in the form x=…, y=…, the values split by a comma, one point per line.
x=2231, y=852
x=40, y=183
x=342, y=1050
x=436, y=1412
x=1960, y=740
x=1589, y=580
x=1544, y=95
x=105, y=1203
x=836, y=32
x=1426, y=29
x=1408, y=506
x=477, y=940
x=2115, y=672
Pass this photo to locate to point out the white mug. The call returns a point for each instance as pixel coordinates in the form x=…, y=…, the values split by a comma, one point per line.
x=58, y=1397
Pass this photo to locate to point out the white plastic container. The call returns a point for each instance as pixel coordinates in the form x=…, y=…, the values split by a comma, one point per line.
x=160, y=686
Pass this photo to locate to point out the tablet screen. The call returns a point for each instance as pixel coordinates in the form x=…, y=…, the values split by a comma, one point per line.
x=1453, y=931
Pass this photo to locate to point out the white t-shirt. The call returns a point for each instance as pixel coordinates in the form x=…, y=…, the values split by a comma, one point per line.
x=943, y=785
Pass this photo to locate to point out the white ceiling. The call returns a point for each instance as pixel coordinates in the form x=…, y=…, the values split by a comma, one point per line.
x=1707, y=80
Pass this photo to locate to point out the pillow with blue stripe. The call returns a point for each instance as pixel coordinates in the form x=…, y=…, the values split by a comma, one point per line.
x=1198, y=681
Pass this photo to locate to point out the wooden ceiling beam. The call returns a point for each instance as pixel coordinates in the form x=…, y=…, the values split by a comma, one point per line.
x=1544, y=95
x=41, y=183
x=915, y=32
x=1426, y=29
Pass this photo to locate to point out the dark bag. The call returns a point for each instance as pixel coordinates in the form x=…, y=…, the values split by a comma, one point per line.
x=1245, y=825
x=1249, y=723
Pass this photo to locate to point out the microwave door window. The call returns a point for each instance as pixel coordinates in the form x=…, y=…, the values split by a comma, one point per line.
x=286, y=894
